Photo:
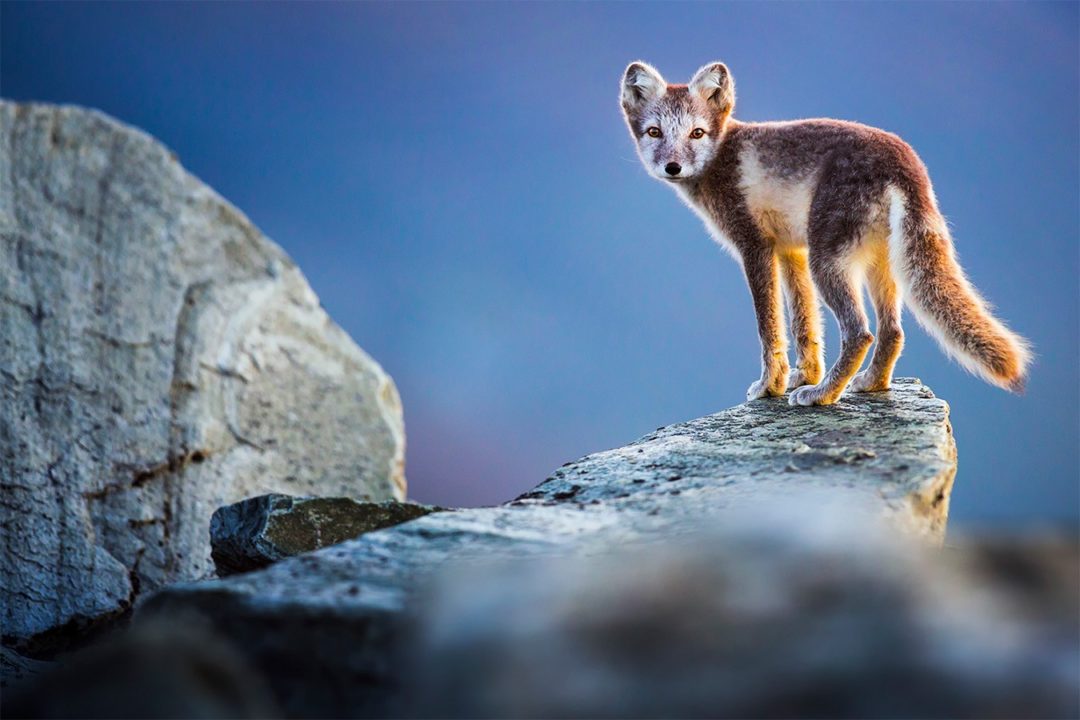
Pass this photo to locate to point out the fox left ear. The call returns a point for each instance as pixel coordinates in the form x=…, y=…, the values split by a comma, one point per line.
x=641, y=83
x=714, y=84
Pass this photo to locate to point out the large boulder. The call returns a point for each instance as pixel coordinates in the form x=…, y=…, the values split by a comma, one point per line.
x=327, y=627
x=159, y=358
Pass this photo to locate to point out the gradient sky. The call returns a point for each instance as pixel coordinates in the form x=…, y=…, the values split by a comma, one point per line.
x=457, y=184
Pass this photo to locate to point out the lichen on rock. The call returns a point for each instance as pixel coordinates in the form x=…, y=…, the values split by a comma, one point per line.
x=259, y=531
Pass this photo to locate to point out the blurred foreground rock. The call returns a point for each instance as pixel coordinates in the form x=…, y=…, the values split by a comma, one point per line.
x=881, y=461
x=770, y=616
x=257, y=532
x=16, y=669
x=159, y=357
x=175, y=670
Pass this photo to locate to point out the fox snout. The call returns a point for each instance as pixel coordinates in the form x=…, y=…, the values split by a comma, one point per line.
x=673, y=169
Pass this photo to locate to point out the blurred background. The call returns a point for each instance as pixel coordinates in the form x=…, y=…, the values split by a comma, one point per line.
x=457, y=184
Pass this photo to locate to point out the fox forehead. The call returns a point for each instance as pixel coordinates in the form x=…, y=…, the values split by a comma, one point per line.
x=676, y=107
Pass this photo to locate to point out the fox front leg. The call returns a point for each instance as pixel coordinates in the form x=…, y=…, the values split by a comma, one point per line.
x=763, y=276
x=802, y=307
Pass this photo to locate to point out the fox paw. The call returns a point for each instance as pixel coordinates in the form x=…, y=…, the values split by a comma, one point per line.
x=864, y=381
x=812, y=395
x=763, y=388
x=800, y=377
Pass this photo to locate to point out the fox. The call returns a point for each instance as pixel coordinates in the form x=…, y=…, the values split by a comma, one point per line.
x=818, y=208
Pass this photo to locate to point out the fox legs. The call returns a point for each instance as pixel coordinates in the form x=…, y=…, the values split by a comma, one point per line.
x=762, y=275
x=835, y=278
x=802, y=307
x=890, y=336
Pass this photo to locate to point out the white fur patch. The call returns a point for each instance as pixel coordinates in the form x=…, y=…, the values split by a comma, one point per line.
x=898, y=261
x=781, y=206
x=897, y=256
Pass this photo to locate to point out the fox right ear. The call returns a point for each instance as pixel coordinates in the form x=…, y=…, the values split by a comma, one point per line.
x=713, y=84
x=641, y=83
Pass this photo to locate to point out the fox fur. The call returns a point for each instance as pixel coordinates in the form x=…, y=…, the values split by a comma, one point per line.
x=818, y=208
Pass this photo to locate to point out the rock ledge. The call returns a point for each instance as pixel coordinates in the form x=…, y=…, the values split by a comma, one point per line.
x=887, y=455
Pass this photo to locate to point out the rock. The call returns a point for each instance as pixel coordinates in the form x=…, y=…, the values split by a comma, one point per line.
x=15, y=669
x=770, y=618
x=892, y=453
x=155, y=671
x=257, y=532
x=887, y=456
x=159, y=358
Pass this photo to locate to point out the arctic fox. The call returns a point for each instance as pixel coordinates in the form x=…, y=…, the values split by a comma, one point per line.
x=818, y=206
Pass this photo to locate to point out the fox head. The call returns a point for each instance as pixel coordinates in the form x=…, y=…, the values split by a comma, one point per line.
x=677, y=128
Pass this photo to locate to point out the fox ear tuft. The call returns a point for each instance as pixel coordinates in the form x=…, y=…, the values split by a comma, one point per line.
x=641, y=83
x=713, y=84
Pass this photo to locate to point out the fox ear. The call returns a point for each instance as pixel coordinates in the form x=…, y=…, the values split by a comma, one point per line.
x=641, y=83
x=714, y=84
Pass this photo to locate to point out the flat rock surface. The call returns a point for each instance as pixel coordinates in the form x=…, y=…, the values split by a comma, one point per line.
x=159, y=358
x=886, y=455
x=260, y=531
x=892, y=451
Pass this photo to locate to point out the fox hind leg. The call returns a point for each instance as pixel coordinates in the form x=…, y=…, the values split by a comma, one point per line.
x=837, y=280
x=887, y=302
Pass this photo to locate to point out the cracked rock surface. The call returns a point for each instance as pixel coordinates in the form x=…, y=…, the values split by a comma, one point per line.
x=887, y=458
x=159, y=358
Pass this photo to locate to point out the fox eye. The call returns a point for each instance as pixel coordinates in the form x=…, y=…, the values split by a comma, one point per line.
x=653, y=132
x=697, y=133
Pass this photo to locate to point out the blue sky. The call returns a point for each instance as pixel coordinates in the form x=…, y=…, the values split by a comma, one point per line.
x=456, y=183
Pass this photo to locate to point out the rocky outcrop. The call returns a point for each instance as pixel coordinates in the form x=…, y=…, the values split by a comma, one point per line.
x=892, y=454
x=885, y=457
x=159, y=358
x=257, y=532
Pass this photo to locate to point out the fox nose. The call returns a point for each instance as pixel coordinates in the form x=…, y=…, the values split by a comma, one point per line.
x=673, y=168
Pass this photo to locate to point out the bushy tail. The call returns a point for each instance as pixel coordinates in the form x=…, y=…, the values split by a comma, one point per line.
x=944, y=300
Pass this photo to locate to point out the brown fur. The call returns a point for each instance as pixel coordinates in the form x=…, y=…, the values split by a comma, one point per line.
x=871, y=216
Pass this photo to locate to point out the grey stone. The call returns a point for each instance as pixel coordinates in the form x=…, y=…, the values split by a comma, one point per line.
x=886, y=457
x=159, y=358
x=768, y=616
x=892, y=453
x=259, y=531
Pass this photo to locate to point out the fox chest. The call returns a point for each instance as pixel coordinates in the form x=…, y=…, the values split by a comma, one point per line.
x=779, y=206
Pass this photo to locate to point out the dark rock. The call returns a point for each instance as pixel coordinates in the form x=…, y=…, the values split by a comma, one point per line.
x=15, y=669
x=257, y=532
x=174, y=670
